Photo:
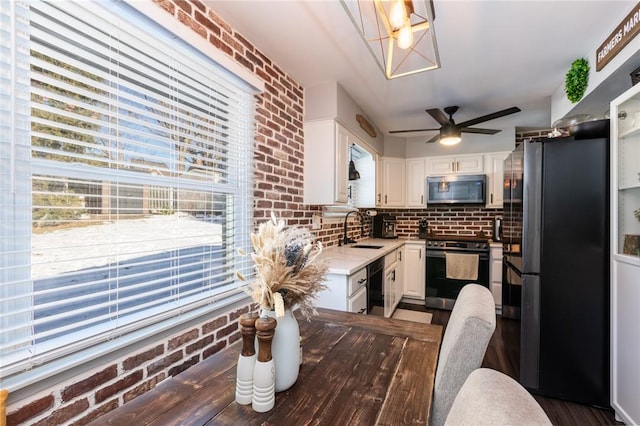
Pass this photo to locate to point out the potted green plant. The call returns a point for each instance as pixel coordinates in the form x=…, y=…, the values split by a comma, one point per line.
x=577, y=80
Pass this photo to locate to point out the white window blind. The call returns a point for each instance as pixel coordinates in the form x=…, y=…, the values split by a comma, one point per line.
x=140, y=184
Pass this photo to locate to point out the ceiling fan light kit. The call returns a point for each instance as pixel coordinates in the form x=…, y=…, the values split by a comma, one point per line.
x=450, y=134
x=398, y=33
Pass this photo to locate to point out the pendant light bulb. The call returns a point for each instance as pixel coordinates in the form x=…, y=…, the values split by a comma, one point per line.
x=405, y=35
x=397, y=14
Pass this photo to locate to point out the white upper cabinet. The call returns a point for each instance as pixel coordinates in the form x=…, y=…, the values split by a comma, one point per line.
x=393, y=182
x=494, y=167
x=326, y=164
x=416, y=178
x=468, y=164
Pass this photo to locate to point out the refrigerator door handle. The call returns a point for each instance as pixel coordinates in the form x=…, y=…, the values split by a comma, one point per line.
x=532, y=207
x=530, y=331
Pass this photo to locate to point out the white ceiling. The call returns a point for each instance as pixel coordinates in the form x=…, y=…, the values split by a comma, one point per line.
x=493, y=54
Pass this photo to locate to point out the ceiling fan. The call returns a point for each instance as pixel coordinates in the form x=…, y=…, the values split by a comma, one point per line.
x=450, y=131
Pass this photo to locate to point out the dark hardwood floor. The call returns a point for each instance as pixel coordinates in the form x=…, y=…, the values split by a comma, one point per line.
x=503, y=354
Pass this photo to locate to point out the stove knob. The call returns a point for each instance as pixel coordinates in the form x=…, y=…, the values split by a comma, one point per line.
x=441, y=244
x=478, y=245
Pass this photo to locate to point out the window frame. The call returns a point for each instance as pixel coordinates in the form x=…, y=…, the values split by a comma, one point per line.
x=71, y=358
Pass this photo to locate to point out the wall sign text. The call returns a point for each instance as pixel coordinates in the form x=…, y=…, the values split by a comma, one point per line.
x=619, y=38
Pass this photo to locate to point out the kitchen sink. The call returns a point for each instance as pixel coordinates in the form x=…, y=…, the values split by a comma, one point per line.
x=366, y=246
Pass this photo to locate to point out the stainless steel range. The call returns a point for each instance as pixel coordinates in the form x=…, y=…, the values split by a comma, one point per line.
x=453, y=262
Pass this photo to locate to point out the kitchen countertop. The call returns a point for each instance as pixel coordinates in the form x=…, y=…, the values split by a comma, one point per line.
x=346, y=260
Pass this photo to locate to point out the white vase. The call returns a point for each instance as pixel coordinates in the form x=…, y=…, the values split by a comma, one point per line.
x=285, y=349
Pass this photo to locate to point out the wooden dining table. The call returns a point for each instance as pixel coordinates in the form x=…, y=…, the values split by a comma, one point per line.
x=356, y=370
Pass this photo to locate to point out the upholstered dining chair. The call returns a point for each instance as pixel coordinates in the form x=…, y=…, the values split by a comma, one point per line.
x=489, y=397
x=466, y=337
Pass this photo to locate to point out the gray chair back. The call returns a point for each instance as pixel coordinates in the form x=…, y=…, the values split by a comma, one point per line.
x=470, y=327
x=489, y=397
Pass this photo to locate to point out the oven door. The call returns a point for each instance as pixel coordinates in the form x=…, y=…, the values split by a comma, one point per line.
x=441, y=292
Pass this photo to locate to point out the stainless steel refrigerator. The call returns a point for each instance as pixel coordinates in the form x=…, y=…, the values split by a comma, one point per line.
x=556, y=260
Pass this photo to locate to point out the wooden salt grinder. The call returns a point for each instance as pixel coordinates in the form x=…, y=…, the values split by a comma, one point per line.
x=246, y=359
x=264, y=377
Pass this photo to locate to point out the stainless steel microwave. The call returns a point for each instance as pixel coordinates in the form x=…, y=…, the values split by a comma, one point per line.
x=456, y=189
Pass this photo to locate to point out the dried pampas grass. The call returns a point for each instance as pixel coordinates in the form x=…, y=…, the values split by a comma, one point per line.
x=286, y=262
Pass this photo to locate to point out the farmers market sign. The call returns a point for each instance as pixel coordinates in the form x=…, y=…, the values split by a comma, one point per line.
x=619, y=38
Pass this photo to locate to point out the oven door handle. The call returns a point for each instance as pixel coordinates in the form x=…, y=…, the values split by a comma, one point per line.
x=440, y=254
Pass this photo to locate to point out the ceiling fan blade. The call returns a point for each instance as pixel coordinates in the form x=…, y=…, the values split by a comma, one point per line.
x=488, y=117
x=481, y=131
x=414, y=130
x=438, y=115
x=436, y=138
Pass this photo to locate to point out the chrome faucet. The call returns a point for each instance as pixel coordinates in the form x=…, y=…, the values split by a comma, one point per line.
x=346, y=240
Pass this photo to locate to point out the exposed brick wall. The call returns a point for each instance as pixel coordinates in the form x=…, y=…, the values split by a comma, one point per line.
x=450, y=220
x=87, y=397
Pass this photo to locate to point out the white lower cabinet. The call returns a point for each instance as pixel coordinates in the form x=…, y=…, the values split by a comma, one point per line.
x=495, y=275
x=414, y=266
x=358, y=302
x=392, y=281
x=345, y=292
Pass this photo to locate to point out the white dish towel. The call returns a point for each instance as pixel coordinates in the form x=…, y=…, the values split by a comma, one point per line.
x=461, y=266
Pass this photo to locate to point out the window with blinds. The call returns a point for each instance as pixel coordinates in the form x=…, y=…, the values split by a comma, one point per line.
x=126, y=194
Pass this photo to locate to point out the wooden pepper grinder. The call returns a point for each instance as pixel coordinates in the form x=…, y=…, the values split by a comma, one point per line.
x=264, y=375
x=246, y=359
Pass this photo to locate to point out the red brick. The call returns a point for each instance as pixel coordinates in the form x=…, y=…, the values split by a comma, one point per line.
x=207, y=23
x=217, y=347
x=33, y=409
x=103, y=409
x=143, y=387
x=214, y=325
x=226, y=330
x=163, y=363
x=89, y=383
x=118, y=386
x=188, y=363
x=184, y=5
x=65, y=413
x=196, y=346
x=134, y=361
x=182, y=339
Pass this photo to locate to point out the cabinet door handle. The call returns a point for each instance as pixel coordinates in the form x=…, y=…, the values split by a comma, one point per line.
x=385, y=199
x=422, y=199
x=361, y=311
x=420, y=254
x=491, y=198
x=394, y=275
x=379, y=197
x=457, y=166
x=400, y=256
x=453, y=166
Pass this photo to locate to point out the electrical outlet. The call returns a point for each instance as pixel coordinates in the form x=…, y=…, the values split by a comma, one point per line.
x=316, y=221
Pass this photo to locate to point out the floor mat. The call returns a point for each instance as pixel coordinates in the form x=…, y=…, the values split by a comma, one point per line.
x=407, y=315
